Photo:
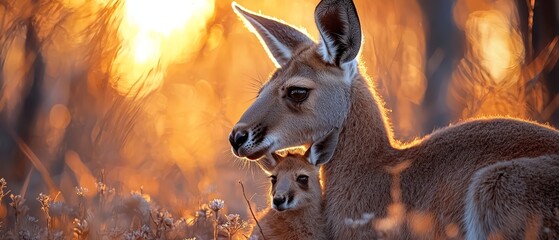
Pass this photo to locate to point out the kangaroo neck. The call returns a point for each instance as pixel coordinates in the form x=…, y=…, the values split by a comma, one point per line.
x=365, y=137
x=309, y=218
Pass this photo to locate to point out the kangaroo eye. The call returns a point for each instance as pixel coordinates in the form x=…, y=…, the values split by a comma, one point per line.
x=303, y=179
x=273, y=179
x=297, y=94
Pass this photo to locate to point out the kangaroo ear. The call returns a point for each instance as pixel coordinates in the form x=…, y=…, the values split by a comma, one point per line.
x=340, y=30
x=280, y=39
x=269, y=162
x=322, y=150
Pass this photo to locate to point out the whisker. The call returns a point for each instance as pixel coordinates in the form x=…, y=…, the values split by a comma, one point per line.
x=256, y=82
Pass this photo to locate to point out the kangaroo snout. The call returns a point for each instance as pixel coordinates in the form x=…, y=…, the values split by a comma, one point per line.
x=248, y=140
x=280, y=202
x=237, y=138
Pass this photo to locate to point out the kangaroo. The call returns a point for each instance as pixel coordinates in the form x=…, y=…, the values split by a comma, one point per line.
x=295, y=193
x=504, y=200
x=454, y=178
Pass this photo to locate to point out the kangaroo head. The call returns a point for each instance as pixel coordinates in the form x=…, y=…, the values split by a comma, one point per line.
x=295, y=177
x=309, y=93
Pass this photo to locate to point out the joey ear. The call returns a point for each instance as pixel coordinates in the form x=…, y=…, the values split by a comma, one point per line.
x=269, y=162
x=340, y=30
x=280, y=39
x=322, y=150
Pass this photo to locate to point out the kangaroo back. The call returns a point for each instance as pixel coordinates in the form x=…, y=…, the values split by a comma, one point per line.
x=318, y=87
x=517, y=199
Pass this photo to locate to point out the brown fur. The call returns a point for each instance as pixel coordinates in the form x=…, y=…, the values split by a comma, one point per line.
x=305, y=221
x=442, y=172
x=524, y=189
x=442, y=165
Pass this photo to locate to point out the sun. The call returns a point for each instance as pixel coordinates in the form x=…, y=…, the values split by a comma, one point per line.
x=153, y=35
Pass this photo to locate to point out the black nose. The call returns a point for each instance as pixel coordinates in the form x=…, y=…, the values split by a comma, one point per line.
x=237, y=139
x=278, y=200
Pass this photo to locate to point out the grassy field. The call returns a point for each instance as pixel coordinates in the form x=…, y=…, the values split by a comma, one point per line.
x=113, y=215
x=115, y=114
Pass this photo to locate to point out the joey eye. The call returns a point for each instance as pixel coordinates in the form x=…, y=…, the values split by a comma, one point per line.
x=297, y=94
x=303, y=179
x=273, y=179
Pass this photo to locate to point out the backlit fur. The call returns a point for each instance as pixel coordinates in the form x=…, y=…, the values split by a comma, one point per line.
x=303, y=218
x=453, y=178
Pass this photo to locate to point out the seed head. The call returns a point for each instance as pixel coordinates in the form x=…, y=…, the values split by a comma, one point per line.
x=216, y=204
x=81, y=191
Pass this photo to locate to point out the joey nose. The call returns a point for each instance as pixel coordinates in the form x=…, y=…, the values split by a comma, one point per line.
x=237, y=139
x=278, y=201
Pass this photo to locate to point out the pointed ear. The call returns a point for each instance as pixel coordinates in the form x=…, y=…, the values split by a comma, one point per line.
x=269, y=162
x=280, y=39
x=340, y=30
x=322, y=150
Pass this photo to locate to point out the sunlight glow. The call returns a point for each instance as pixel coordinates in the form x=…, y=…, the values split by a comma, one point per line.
x=155, y=34
x=499, y=47
x=489, y=81
x=162, y=16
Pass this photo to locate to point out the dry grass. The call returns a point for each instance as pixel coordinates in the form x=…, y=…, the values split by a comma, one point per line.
x=173, y=141
x=113, y=215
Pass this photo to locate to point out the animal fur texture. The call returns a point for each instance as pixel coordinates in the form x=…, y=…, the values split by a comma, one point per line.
x=304, y=221
x=478, y=179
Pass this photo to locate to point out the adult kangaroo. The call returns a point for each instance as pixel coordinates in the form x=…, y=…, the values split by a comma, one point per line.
x=478, y=179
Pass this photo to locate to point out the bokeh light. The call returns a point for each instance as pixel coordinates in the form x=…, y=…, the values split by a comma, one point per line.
x=141, y=94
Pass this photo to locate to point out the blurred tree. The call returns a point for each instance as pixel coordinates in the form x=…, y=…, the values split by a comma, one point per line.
x=176, y=137
x=539, y=25
x=444, y=49
x=22, y=125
